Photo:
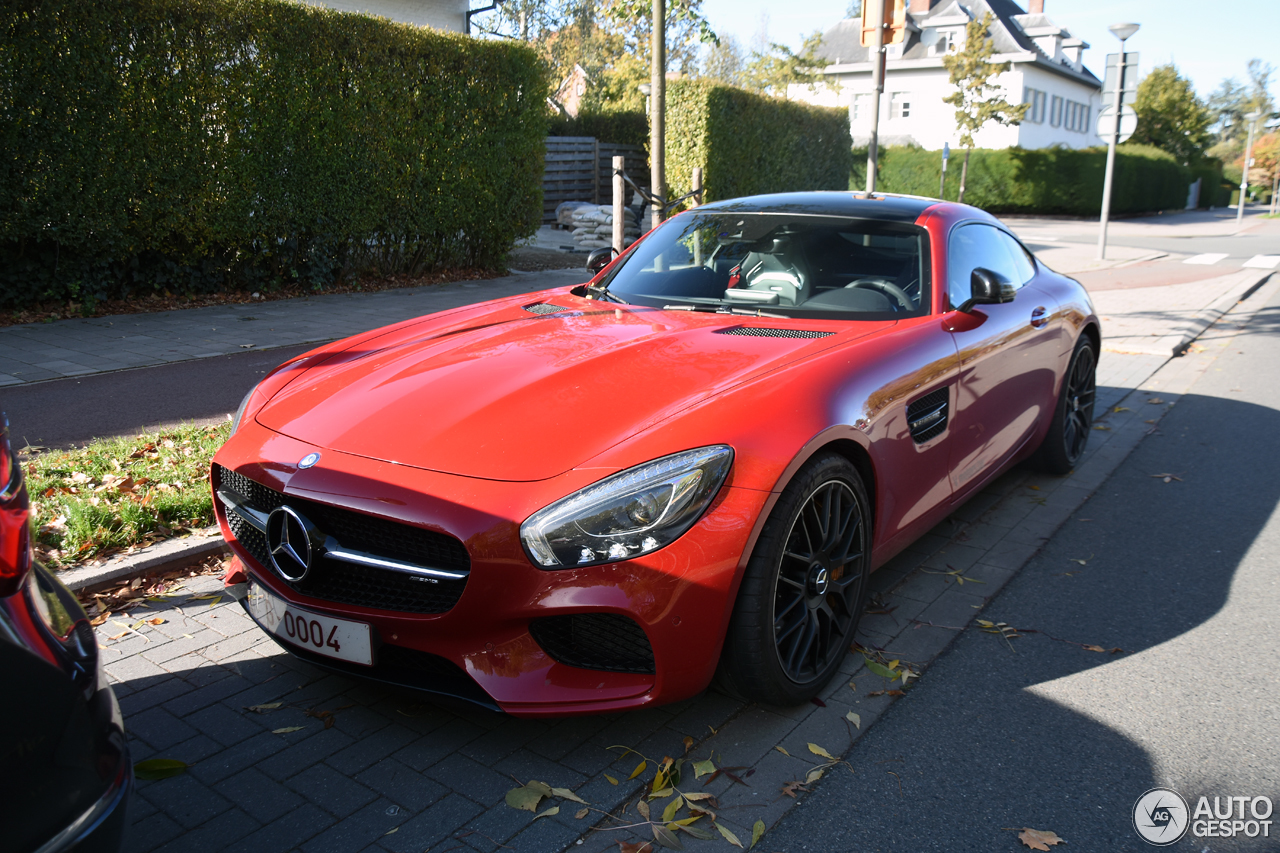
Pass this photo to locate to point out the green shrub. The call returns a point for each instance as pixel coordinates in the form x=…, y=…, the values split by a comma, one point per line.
x=748, y=143
x=1046, y=180
x=195, y=145
x=620, y=128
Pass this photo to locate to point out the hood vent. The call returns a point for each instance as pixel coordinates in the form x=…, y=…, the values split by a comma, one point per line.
x=927, y=417
x=544, y=308
x=764, y=332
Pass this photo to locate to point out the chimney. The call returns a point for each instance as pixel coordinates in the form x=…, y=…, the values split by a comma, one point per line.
x=1035, y=7
x=920, y=7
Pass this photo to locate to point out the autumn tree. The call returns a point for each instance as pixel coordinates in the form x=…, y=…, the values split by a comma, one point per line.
x=725, y=62
x=1171, y=116
x=977, y=98
x=774, y=71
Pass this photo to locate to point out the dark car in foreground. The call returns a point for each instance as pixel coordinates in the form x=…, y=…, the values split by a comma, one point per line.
x=65, y=774
x=596, y=498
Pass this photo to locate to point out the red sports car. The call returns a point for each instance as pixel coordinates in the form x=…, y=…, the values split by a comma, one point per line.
x=598, y=498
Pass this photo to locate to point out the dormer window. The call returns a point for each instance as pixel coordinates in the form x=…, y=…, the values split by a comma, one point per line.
x=948, y=40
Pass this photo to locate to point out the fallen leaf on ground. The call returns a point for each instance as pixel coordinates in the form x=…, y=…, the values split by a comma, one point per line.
x=554, y=810
x=264, y=708
x=524, y=798
x=757, y=832
x=287, y=729
x=1039, y=839
x=791, y=787
x=855, y=719
x=628, y=847
x=783, y=751
x=817, y=750
x=159, y=768
x=581, y=814
x=886, y=693
x=728, y=836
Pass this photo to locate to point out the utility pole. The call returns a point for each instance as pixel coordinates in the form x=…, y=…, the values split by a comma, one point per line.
x=873, y=10
x=1252, y=118
x=1122, y=32
x=942, y=181
x=657, y=115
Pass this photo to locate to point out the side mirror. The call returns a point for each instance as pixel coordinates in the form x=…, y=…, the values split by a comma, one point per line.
x=987, y=288
x=600, y=258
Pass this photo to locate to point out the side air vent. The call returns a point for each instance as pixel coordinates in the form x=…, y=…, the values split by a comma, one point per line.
x=761, y=332
x=604, y=641
x=927, y=417
x=544, y=308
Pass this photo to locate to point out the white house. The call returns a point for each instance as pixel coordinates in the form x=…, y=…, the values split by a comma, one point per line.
x=439, y=14
x=1047, y=72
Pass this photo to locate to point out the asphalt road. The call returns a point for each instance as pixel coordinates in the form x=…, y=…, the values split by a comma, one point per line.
x=1181, y=575
x=68, y=411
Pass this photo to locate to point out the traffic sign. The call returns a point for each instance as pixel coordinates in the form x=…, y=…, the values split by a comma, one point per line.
x=1107, y=121
x=1128, y=83
x=894, y=21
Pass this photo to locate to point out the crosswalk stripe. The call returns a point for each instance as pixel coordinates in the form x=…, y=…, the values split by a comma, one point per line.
x=1262, y=262
x=1205, y=259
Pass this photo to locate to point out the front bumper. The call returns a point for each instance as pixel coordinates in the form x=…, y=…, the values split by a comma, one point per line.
x=482, y=648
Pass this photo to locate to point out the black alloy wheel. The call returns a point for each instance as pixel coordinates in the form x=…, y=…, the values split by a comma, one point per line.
x=803, y=590
x=1073, y=417
x=819, y=582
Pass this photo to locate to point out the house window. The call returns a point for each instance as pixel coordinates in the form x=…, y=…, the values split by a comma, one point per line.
x=900, y=105
x=947, y=41
x=1055, y=112
x=1034, y=99
x=860, y=109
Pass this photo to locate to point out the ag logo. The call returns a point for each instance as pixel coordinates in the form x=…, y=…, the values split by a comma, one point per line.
x=1160, y=816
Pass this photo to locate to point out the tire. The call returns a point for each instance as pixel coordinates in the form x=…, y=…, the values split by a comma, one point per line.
x=804, y=588
x=1073, y=416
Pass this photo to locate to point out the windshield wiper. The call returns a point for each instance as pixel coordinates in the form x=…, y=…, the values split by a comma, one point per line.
x=603, y=294
x=725, y=309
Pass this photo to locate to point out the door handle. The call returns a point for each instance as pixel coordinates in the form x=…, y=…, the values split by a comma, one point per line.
x=1039, y=318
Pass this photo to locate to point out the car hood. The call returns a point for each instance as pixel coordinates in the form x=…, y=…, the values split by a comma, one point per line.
x=510, y=395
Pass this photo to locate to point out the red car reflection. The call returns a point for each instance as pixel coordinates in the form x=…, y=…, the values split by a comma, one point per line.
x=590, y=499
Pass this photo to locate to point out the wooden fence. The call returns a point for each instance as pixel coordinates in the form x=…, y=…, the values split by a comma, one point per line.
x=579, y=168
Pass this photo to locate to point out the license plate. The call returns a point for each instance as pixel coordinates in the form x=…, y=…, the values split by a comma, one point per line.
x=315, y=632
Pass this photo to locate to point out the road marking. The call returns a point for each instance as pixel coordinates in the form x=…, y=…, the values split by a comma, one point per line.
x=1206, y=259
x=1262, y=262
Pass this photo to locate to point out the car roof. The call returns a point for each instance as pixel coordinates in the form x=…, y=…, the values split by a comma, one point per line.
x=880, y=206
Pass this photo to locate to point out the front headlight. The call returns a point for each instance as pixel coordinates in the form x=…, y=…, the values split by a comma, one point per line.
x=631, y=513
x=235, y=422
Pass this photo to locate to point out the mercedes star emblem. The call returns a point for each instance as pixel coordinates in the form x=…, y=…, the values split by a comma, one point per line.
x=290, y=538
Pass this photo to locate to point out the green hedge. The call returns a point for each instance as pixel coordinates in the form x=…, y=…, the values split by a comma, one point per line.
x=748, y=143
x=1046, y=180
x=620, y=128
x=194, y=145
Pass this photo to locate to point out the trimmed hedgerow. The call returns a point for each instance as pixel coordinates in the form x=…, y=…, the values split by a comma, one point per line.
x=620, y=128
x=748, y=143
x=198, y=145
x=1046, y=180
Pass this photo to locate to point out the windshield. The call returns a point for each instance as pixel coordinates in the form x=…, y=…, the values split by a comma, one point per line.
x=796, y=266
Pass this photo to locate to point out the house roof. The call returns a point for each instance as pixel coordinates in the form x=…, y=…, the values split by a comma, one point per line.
x=1012, y=32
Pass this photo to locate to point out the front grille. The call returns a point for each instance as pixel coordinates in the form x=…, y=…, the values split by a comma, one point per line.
x=764, y=332
x=544, y=308
x=405, y=667
x=927, y=417
x=604, y=641
x=351, y=583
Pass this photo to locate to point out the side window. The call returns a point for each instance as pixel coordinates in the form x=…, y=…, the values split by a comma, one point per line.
x=972, y=246
x=1022, y=261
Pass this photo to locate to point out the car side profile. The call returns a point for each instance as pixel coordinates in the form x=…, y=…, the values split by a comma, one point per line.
x=603, y=497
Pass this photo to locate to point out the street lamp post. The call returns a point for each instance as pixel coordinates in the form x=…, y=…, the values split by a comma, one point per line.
x=1252, y=118
x=1122, y=32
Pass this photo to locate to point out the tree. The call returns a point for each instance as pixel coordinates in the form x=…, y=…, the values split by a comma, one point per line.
x=726, y=63
x=1232, y=101
x=977, y=99
x=1170, y=116
x=773, y=72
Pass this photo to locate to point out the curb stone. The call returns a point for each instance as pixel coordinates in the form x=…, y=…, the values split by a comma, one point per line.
x=160, y=557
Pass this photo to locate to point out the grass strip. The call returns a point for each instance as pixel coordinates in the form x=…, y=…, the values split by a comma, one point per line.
x=119, y=494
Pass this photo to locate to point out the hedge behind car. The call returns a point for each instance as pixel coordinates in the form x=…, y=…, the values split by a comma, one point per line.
x=749, y=144
x=195, y=145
